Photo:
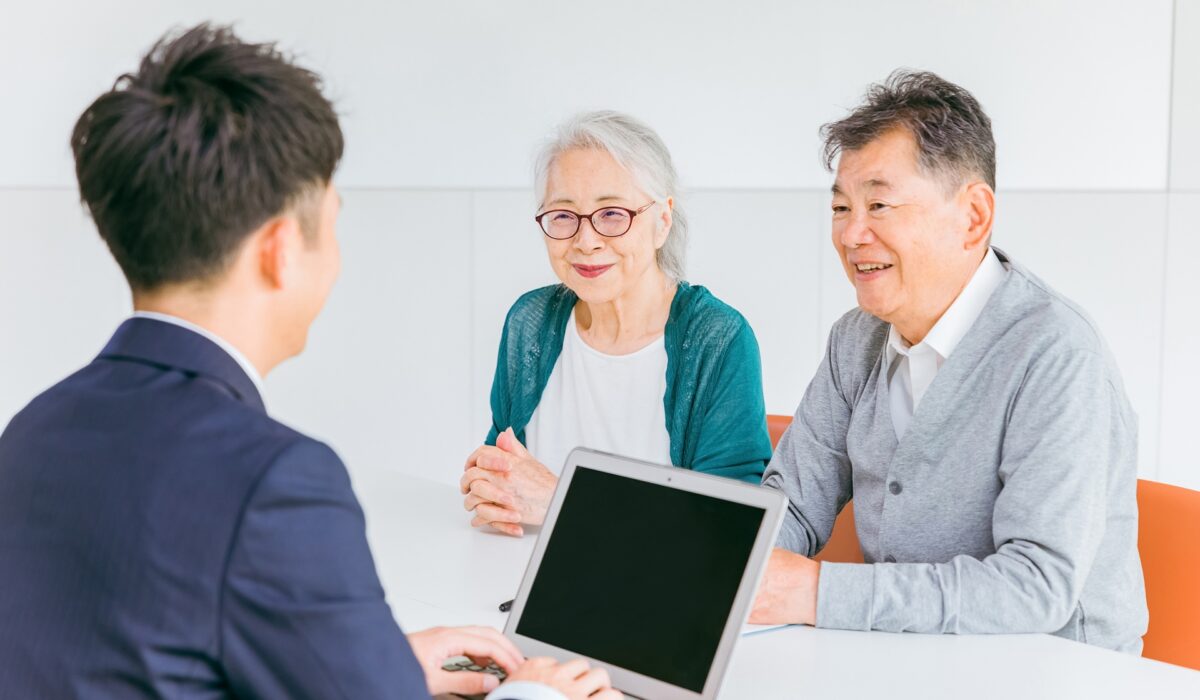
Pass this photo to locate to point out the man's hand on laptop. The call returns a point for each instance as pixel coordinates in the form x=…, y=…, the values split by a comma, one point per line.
x=573, y=678
x=434, y=646
x=506, y=487
x=788, y=592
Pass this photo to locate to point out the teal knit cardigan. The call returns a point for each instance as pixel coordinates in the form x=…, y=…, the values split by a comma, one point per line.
x=716, y=417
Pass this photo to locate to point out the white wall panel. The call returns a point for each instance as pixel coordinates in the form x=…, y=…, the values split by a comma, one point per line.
x=1078, y=91
x=61, y=294
x=1180, y=459
x=384, y=377
x=759, y=252
x=455, y=94
x=837, y=291
x=508, y=258
x=1105, y=253
x=1185, y=98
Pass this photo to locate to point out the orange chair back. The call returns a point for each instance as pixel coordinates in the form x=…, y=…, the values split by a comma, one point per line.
x=843, y=542
x=776, y=425
x=1169, y=544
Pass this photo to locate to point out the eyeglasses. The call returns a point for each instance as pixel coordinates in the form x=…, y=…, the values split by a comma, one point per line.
x=610, y=222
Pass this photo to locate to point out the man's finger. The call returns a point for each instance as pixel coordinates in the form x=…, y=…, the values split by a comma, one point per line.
x=503, y=651
x=592, y=680
x=464, y=682
x=574, y=668
x=493, y=647
x=539, y=662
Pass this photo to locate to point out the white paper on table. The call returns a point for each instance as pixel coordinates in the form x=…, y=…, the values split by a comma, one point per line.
x=749, y=629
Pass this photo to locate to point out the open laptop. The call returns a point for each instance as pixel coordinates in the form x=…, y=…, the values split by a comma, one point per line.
x=647, y=571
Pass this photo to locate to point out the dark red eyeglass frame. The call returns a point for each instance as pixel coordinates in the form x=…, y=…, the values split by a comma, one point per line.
x=580, y=217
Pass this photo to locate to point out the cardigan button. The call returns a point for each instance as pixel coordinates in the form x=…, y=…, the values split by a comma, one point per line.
x=895, y=488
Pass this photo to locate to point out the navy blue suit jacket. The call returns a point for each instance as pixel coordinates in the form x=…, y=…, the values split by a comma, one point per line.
x=161, y=536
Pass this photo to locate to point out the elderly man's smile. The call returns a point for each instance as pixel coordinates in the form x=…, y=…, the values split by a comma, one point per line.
x=867, y=271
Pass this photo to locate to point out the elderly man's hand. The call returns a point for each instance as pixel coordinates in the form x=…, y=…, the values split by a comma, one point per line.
x=788, y=592
x=505, y=486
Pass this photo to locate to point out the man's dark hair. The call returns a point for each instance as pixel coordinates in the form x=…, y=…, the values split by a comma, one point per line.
x=952, y=133
x=179, y=162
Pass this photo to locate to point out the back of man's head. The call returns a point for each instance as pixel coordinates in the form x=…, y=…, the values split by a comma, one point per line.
x=181, y=161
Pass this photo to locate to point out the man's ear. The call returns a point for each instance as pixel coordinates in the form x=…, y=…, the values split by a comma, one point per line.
x=980, y=203
x=275, y=246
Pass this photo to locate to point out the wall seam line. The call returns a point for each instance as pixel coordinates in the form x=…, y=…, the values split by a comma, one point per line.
x=472, y=328
x=698, y=190
x=1162, y=328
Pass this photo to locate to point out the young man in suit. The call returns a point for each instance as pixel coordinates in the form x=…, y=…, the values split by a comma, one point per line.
x=160, y=534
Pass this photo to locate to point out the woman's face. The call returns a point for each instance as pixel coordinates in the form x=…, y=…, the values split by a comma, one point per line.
x=598, y=268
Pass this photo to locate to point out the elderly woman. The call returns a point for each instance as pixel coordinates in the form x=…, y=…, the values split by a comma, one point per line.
x=623, y=356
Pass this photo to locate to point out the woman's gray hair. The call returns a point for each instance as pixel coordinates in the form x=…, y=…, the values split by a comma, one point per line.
x=636, y=148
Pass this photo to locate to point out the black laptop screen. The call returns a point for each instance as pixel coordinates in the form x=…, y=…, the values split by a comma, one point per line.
x=640, y=576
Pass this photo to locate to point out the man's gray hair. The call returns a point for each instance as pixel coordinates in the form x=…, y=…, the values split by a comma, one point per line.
x=953, y=135
x=638, y=149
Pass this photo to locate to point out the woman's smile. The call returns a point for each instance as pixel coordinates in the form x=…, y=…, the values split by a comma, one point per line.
x=591, y=271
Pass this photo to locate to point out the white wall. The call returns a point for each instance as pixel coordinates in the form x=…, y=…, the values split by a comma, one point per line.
x=1096, y=107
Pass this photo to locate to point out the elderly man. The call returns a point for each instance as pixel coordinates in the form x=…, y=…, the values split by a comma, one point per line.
x=974, y=414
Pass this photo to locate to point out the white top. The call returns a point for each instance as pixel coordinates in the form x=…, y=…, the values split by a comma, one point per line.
x=250, y=370
x=612, y=403
x=911, y=375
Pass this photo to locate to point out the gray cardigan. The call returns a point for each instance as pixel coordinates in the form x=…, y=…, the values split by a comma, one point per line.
x=1009, y=505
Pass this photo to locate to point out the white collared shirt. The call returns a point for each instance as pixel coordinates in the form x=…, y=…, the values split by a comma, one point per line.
x=911, y=369
x=250, y=370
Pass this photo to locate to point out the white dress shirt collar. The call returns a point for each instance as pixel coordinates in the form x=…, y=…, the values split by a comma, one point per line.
x=958, y=319
x=250, y=370
x=910, y=370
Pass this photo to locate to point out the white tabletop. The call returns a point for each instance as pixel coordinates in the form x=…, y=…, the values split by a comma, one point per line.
x=437, y=570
